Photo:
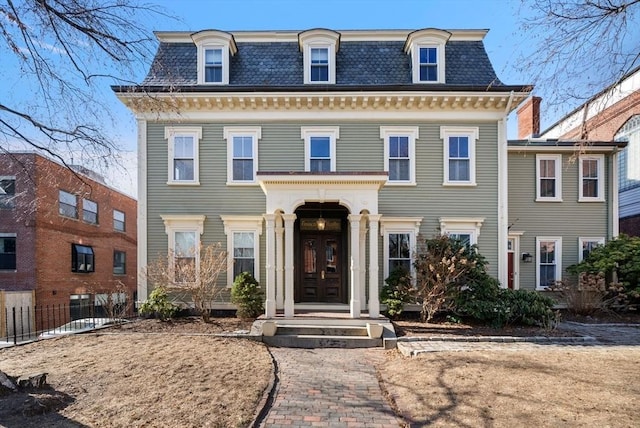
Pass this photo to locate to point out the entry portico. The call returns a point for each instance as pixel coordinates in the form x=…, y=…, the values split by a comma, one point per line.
x=287, y=191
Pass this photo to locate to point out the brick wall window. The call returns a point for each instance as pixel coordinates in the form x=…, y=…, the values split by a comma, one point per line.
x=7, y=252
x=90, y=211
x=82, y=259
x=118, y=220
x=7, y=192
x=119, y=262
x=68, y=204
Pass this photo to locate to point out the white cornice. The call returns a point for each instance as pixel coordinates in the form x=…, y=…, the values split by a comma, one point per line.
x=577, y=148
x=356, y=105
x=345, y=35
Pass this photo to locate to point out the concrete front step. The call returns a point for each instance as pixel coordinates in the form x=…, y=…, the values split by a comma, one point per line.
x=309, y=341
x=320, y=330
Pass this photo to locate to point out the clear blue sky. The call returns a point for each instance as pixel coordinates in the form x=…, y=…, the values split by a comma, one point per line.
x=504, y=43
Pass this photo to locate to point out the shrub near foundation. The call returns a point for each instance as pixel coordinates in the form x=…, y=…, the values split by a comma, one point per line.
x=247, y=296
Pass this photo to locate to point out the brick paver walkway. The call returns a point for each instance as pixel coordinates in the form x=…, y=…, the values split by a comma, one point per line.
x=328, y=388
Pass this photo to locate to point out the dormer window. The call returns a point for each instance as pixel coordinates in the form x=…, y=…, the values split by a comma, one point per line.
x=319, y=49
x=427, y=50
x=215, y=49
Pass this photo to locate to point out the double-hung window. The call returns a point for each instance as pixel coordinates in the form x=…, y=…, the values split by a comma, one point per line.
x=459, y=155
x=320, y=65
x=119, y=262
x=90, y=211
x=68, y=204
x=184, y=233
x=7, y=191
x=320, y=148
x=243, y=245
x=183, y=154
x=399, y=148
x=548, y=261
x=242, y=153
x=549, y=178
x=586, y=245
x=82, y=259
x=591, y=178
x=399, y=242
x=428, y=63
x=118, y=221
x=7, y=251
x=213, y=65
x=464, y=229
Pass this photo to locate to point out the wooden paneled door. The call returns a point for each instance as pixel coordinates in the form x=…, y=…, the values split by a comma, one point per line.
x=321, y=268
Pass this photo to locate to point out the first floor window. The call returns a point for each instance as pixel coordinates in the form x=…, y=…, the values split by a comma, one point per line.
x=7, y=252
x=399, y=251
x=185, y=255
x=243, y=253
x=586, y=245
x=82, y=258
x=90, y=211
x=119, y=262
x=549, y=261
x=68, y=204
x=463, y=238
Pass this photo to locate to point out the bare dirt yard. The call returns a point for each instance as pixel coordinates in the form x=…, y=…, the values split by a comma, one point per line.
x=149, y=374
x=155, y=374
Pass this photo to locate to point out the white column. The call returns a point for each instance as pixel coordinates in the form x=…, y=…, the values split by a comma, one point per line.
x=270, y=302
x=289, y=219
x=374, y=290
x=142, y=210
x=615, y=199
x=503, y=203
x=354, y=222
x=279, y=264
x=363, y=266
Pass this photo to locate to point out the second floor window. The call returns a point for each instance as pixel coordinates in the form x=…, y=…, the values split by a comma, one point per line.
x=68, y=204
x=319, y=65
x=399, y=160
x=243, y=158
x=7, y=192
x=459, y=159
x=320, y=148
x=119, y=262
x=591, y=178
x=82, y=259
x=183, y=154
x=213, y=65
x=548, y=177
x=89, y=211
x=118, y=221
x=320, y=158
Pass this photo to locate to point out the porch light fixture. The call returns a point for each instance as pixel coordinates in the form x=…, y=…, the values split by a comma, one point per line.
x=321, y=223
x=527, y=258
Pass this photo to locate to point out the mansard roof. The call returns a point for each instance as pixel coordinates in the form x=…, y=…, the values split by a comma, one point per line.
x=275, y=61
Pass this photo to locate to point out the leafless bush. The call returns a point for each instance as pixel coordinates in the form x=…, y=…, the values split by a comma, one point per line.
x=584, y=296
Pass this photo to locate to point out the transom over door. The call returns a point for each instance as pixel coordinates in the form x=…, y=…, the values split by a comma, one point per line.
x=321, y=269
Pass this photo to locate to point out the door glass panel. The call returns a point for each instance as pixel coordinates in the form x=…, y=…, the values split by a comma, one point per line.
x=332, y=255
x=310, y=256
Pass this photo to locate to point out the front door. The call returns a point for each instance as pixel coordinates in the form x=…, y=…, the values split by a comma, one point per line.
x=321, y=268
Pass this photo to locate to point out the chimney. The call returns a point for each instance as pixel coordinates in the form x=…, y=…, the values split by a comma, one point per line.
x=529, y=118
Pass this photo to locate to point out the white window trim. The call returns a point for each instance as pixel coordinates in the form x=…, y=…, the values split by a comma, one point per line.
x=401, y=131
x=240, y=223
x=462, y=225
x=600, y=160
x=558, y=161
x=170, y=132
x=558, y=241
x=392, y=225
x=582, y=240
x=211, y=39
x=229, y=132
x=319, y=39
x=183, y=223
x=306, y=132
x=429, y=38
x=472, y=133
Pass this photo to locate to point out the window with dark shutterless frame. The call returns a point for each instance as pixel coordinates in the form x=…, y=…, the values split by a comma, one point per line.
x=68, y=204
x=89, y=211
x=7, y=192
x=7, y=253
x=119, y=262
x=82, y=258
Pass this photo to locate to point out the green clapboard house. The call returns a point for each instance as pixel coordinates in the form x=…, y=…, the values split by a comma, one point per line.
x=319, y=157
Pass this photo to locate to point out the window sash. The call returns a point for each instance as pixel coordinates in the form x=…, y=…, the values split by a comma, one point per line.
x=68, y=204
x=243, y=158
x=7, y=192
x=243, y=253
x=213, y=65
x=590, y=178
x=119, y=262
x=548, y=176
x=320, y=154
x=399, y=251
x=7, y=253
x=183, y=158
x=118, y=220
x=319, y=65
x=547, y=263
x=82, y=259
x=90, y=211
x=459, y=159
x=428, y=64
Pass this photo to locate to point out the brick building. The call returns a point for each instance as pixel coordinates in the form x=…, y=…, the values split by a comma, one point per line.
x=67, y=240
x=613, y=114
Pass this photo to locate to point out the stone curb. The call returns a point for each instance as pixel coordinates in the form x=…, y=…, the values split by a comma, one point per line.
x=597, y=325
x=496, y=339
x=268, y=396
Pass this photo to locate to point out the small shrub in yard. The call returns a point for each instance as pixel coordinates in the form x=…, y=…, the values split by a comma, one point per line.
x=247, y=296
x=584, y=297
x=158, y=305
x=395, y=292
